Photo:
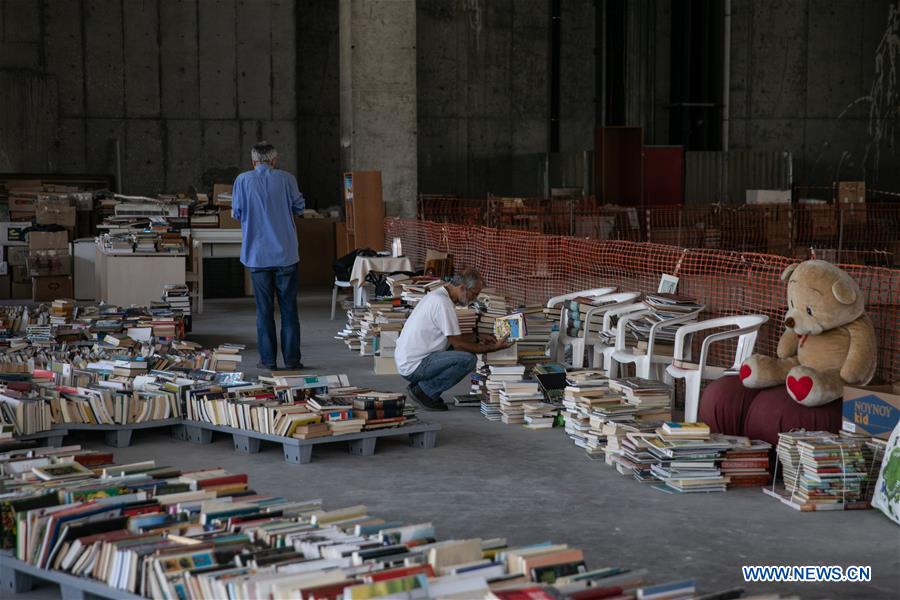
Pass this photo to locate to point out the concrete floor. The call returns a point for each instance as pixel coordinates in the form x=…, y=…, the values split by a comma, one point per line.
x=489, y=479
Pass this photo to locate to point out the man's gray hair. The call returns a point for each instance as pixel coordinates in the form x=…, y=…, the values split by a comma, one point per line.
x=469, y=278
x=263, y=152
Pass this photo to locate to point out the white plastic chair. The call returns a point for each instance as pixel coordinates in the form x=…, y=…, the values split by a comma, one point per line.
x=556, y=336
x=745, y=328
x=600, y=358
x=334, y=292
x=650, y=365
x=610, y=302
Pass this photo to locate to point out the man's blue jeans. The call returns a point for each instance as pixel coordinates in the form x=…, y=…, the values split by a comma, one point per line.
x=267, y=282
x=440, y=371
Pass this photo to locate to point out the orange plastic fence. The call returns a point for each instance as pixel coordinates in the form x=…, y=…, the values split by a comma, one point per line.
x=531, y=267
x=861, y=234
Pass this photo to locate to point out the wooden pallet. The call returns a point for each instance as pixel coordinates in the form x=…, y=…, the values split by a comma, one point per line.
x=119, y=436
x=17, y=577
x=297, y=451
x=54, y=437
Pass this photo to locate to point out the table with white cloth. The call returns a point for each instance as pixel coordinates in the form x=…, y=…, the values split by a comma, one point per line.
x=373, y=270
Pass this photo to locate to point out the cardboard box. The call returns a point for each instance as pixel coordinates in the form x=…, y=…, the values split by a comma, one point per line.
x=21, y=204
x=5, y=292
x=851, y=196
x=55, y=214
x=20, y=291
x=385, y=365
x=48, y=240
x=821, y=222
x=21, y=217
x=19, y=274
x=45, y=289
x=16, y=255
x=872, y=410
x=221, y=188
x=852, y=192
x=11, y=233
x=226, y=221
x=768, y=196
x=43, y=263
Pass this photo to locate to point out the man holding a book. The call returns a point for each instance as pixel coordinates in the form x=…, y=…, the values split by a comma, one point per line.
x=422, y=353
x=265, y=201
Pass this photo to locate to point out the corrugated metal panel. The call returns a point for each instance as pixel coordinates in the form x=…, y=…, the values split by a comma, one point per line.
x=726, y=176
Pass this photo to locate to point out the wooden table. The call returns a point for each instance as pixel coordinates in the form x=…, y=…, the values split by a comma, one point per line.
x=363, y=266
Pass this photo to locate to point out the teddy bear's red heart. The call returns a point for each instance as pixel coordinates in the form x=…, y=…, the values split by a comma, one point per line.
x=800, y=387
x=745, y=372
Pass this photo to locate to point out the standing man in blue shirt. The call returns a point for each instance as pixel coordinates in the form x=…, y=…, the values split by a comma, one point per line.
x=265, y=201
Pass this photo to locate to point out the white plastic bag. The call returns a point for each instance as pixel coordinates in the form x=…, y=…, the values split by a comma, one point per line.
x=887, y=490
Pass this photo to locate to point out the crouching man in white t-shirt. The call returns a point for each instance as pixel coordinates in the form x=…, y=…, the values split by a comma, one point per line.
x=421, y=354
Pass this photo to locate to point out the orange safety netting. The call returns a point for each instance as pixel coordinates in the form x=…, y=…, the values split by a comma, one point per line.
x=531, y=267
x=860, y=234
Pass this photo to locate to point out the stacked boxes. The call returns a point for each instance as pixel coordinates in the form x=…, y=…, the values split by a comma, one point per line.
x=851, y=196
x=14, y=283
x=49, y=261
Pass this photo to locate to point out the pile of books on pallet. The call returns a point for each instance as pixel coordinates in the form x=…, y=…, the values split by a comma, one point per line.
x=163, y=532
x=827, y=471
x=98, y=365
x=297, y=406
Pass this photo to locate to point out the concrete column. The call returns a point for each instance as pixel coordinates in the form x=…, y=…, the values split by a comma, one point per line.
x=378, y=96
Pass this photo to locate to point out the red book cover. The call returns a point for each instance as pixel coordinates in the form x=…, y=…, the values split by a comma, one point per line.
x=92, y=460
x=332, y=591
x=529, y=593
x=225, y=480
x=594, y=593
x=400, y=572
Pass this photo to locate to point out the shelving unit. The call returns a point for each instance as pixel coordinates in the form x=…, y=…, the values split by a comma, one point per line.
x=364, y=210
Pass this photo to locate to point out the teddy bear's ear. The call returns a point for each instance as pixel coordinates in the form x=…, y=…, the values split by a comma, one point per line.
x=844, y=291
x=787, y=272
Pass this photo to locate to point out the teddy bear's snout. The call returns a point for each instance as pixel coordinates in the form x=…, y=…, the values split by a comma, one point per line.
x=789, y=322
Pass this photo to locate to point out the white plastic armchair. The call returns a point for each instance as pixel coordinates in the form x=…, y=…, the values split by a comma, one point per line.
x=558, y=339
x=586, y=338
x=652, y=364
x=600, y=358
x=745, y=329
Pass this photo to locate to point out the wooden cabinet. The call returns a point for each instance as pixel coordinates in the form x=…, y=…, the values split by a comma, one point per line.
x=364, y=209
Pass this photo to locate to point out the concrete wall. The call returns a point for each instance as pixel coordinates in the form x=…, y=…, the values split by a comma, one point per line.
x=483, y=103
x=819, y=78
x=185, y=86
x=318, y=108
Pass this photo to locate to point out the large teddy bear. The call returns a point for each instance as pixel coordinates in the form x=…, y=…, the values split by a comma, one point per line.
x=828, y=341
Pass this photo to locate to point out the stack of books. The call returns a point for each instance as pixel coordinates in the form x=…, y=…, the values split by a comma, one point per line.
x=227, y=357
x=540, y=415
x=415, y=288
x=380, y=410
x=746, y=464
x=178, y=297
x=512, y=398
x=497, y=377
x=688, y=457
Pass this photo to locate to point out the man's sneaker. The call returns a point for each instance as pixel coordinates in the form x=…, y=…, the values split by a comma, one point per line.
x=424, y=400
x=263, y=367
